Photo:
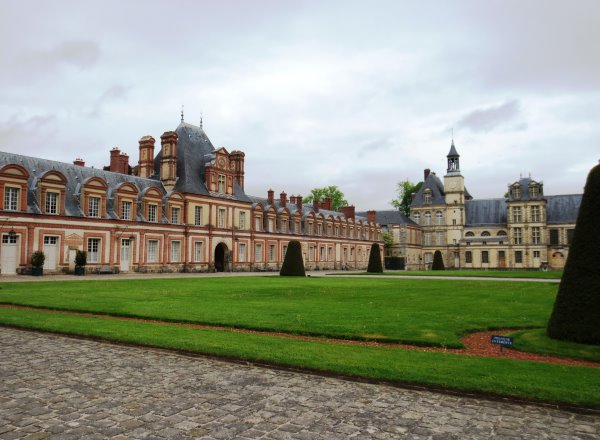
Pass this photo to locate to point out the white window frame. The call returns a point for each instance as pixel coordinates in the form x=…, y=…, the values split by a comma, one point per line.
x=175, y=251
x=94, y=206
x=272, y=252
x=221, y=218
x=242, y=252
x=52, y=199
x=221, y=184
x=198, y=251
x=242, y=220
x=152, y=213
x=94, y=246
x=198, y=215
x=258, y=256
x=126, y=209
x=152, y=251
x=11, y=198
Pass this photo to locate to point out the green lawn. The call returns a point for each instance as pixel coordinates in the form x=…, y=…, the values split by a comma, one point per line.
x=425, y=312
x=555, y=275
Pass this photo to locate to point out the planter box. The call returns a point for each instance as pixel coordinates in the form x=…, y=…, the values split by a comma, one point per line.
x=37, y=271
x=80, y=270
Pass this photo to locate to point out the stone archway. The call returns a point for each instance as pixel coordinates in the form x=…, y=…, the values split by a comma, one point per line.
x=221, y=257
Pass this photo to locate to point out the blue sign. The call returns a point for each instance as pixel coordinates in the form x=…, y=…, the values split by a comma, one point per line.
x=502, y=340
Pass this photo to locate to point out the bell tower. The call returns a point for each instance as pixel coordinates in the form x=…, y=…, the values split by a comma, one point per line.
x=454, y=182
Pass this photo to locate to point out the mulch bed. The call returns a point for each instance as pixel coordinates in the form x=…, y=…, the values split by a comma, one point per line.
x=476, y=344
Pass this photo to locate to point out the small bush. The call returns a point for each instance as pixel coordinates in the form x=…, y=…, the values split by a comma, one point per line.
x=80, y=258
x=37, y=259
x=293, y=265
x=375, y=259
x=438, y=261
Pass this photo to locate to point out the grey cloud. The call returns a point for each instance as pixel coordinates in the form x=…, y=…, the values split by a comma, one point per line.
x=81, y=54
x=14, y=131
x=486, y=119
x=114, y=92
x=376, y=145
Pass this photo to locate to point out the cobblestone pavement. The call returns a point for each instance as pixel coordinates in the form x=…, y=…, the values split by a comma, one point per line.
x=63, y=388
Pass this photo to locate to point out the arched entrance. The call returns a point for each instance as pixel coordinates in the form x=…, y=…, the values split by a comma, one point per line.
x=221, y=257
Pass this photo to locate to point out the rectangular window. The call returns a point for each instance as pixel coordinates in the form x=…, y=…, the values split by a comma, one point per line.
x=258, y=253
x=50, y=239
x=221, y=181
x=284, y=251
x=257, y=224
x=271, y=252
x=242, y=220
x=330, y=254
x=570, y=233
x=271, y=225
x=175, y=251
x=518, y=256
x=516, y=215
x=152, y=251
x=152, y=209
x=51, y=203
x=221, y=218
x=554, y=237
x=126, y=210
x=311, y=253
x=298, y=229
x=198, y=215
x=535, y=214
x=427, y=238
x=319, y=229
x=485, y=257
x=536, y=254
x=9, y=239
x=518, y=236
x=94, y=207
x=322, y=253
x=283, y=226
x=535, y=235
x=175, y=215
x=242, y=252
x=11, y=198
x=93, y=250
x=468, y=257
x=198, y=251
x=439, y=240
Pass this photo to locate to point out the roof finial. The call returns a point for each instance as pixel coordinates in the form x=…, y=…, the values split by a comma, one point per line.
x=181, y=112
x=200, y=120
x=452, y=135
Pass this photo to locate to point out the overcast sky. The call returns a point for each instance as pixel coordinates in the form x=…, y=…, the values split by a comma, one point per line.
x=350, y=93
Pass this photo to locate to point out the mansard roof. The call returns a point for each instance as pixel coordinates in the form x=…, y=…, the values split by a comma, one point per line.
x=525, y=183
x=562, y=208
x=390, y=217
x=307, y=208
x=485, y=212
x=194, y=151
x=433, y=184
x=75, y=176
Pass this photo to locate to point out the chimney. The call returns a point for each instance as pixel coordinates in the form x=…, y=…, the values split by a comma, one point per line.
x=168, y=162
x=299, y=203
x=79, y=162
x=124, y=163
x=292, y=199
x=115, y=160
x=426, y=172
x=237, y=159
x=315, y=206
x=270, y=197
x=327, y=203
x=348, y=212
x=372, y=216
x=283, y=199
x=146, y=163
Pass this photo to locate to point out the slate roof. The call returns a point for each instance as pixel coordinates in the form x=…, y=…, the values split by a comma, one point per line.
x=194, y=151
x=75, y=176
x=563, y=208
x=390, y=217
x=485, y=212
x=524, y=182
x=433, y=183
x=306, y=208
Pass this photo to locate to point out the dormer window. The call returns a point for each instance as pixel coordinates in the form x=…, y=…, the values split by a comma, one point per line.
x=221, y=184
x=516, y=192
x=51, y=203
x=427, y=197
x=94, y=207
x=534, y=190
x=11, y=198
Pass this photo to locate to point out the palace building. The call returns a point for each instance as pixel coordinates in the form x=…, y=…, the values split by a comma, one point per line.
x=180, y=209
x=527, y=229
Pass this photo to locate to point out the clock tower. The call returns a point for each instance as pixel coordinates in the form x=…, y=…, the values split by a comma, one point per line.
x=454, y=188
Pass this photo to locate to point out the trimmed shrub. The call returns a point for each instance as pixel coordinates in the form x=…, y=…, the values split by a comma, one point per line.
x=394, y=263
x=293, y=265
x=438, y=261
x=375, y=259
x=37, y=259
x=576, y=313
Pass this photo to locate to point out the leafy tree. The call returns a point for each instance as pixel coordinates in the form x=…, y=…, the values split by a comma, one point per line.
x=293, y=265
x=405, y=191
x=576, y=314
x=388, y=240
x=438, y=261
x=375, y=259
x=320, y=194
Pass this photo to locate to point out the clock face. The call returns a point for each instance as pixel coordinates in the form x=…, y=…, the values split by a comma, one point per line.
x=452, y=185
x=221, y=163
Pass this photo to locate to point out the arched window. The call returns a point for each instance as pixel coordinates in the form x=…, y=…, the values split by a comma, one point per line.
x=417, y=217
x=427, y=217
x=485, y=234
x=501, y=234
x=427, y=196
x=469, y=234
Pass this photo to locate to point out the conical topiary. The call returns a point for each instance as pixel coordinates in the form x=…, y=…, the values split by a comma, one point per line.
x=293, y=265
x=375, y=259
x=438, y=261
x=576, y=314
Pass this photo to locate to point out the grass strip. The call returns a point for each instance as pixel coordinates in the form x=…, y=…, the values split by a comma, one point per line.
x=532, y=380
x=420, y=312
x=550, y=275
x=536, y=341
